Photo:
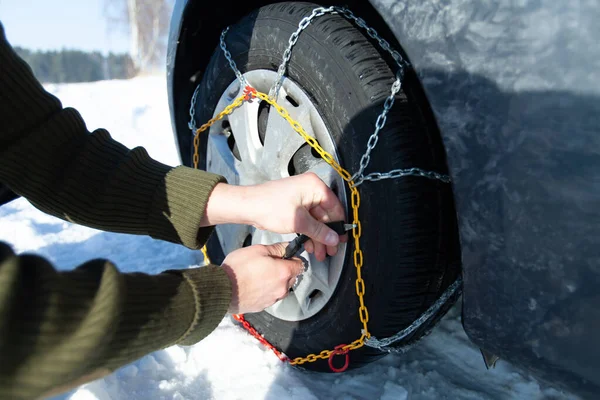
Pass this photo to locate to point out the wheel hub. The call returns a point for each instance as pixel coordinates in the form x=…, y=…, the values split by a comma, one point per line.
x=254, y=144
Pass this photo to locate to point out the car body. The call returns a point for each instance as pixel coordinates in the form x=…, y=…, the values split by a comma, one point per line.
x=515, y=90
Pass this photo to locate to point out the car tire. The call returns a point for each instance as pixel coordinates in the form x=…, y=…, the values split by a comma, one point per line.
x=409, y=239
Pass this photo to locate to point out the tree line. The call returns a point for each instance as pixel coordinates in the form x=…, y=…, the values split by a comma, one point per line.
x=67, y=66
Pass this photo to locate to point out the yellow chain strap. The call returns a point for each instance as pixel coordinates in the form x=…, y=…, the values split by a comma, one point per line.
x=355, y=201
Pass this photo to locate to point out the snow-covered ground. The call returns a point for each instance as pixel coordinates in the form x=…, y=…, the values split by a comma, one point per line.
x=229, y=364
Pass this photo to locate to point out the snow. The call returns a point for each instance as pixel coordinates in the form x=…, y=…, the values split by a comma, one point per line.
x=229, y=364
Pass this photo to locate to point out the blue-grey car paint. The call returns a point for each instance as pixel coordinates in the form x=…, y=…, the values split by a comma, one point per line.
x=515, y=88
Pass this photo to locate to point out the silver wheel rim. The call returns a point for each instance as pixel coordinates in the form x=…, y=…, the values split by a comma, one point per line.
x=247, y=151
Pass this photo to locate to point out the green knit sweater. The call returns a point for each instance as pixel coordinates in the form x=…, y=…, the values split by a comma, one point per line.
x=60, y=328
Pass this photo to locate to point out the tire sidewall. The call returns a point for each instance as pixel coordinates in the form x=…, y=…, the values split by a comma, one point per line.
x=258, y=42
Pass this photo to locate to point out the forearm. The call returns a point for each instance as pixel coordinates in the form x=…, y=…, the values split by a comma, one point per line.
x=229, y=204
x=48, y=156
x=57, y=327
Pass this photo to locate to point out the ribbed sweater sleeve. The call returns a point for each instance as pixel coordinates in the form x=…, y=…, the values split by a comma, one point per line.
x=48, y=156
x=59, y=329
x=64, y=327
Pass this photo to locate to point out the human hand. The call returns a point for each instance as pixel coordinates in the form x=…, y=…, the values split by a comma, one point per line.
x=298, y=204
x=259, y=276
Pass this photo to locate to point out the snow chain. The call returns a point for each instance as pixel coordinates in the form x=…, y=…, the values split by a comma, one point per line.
x=353, y=182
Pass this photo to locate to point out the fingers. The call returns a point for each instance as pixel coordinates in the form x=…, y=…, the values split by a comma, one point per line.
x=323, y=197
x=309, y=246
x=316, y=230
x=331, y=205
x=260, y=276
x=320, y=251
x=290, y=270
x=321, y=215
x=294, y=266
x=276, y=250
x=332, y=250
x=327, y=215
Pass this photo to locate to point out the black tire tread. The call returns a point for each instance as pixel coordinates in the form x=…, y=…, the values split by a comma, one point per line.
x=428, y=257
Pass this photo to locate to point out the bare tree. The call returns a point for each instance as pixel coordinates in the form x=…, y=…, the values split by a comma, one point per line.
x=148, y=24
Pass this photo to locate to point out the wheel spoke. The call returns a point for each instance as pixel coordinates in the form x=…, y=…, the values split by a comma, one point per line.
x=314, y=285
x=302, y=302
x=289, y=305
x=220, y=160
x=281, y=143
x=266, y=237
x=255, y=144
x=244, y=127
x=319, y=270
x=325, y=172
x=232, y=236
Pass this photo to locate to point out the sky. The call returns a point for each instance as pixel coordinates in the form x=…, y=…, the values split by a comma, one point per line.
x=57, y=24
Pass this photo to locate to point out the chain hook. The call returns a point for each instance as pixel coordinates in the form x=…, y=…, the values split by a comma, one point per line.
x=341, y=351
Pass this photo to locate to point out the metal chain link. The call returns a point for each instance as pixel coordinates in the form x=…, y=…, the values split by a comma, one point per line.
x=379, y=124
x=353, y=181
x=400, y=61
x=236, y=71
x=383, y=344
x=358, y=177
x=232, y=63
x=399, y=173
x=192, y=123
x=317, y=12
x=249, y=93
x=287, y=54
